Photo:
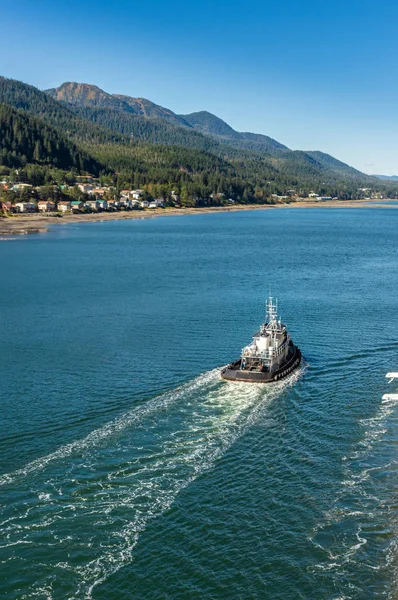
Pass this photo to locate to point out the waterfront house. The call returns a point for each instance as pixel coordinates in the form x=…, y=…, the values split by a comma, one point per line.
x=77, y=205
x=25, y=207
x=156, y=203
x=45, y=206
x=93, y=205
x=112, y=205
x=103, y=204
x=136, y=194
x=64, y=205
x=144, y=204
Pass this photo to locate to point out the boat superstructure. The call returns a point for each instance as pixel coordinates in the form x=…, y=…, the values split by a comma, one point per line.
x=389, y=397
x=271, y=355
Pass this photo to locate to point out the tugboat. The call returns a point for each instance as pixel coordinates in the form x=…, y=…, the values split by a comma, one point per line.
x=270, y=357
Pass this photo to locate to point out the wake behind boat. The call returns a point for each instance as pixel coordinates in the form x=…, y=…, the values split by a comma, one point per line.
x=271, y=356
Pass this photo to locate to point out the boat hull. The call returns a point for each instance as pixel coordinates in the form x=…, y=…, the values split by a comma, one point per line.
x=233, y=372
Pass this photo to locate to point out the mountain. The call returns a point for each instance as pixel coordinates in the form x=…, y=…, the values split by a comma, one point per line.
x=337, y=166
x=209, y=124
x=155, y=131
x=387, y=177
x=28, y=98
x=150, y=110
x=135, y=142
x=142, y=118
x=27, y=140
x=84, y=95
x=137, y=118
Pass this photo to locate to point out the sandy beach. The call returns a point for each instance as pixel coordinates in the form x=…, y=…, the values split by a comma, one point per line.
x=38, y=223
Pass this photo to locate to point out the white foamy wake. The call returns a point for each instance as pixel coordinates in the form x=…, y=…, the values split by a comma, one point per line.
x=99, y=435
x=361, y=505
x=93, y=497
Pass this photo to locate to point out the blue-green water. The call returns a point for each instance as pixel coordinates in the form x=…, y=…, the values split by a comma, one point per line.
x=129, y=470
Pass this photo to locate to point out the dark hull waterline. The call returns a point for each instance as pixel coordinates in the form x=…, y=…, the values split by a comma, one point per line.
x=233, y=372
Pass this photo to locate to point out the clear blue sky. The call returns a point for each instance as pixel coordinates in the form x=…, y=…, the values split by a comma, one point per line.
x=314, y=74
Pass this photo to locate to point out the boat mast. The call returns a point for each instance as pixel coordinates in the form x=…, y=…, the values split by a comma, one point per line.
x=272, y=312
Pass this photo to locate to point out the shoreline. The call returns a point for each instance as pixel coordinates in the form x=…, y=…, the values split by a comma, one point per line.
x=40, y=223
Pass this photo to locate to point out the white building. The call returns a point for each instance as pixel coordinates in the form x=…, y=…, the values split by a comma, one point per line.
x=24, y=207
x=46, y=205
x=136, y=194
x=93, y=204
x=64, y=206
x=157, y=203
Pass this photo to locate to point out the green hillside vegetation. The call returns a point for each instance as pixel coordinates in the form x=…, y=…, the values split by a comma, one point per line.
x=91, y=96
x=141, y=119
x=213, y=126
x=155, y=131
x=28, y=98
x=197, y=174
x=131, y=141
x=209, y=124
x=150, y=110
x=335, y=165
x=26, y=140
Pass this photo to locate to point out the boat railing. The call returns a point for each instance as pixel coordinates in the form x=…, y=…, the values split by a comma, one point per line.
x=265, y=354
x=272, y=353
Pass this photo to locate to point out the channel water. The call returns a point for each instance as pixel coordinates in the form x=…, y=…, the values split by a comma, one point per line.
x=128, y=469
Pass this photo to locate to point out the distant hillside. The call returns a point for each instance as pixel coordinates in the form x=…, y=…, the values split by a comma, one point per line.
x=84, y=95
x=141, y=119
x=150, y=110
x=155, y=131
x=78, y=96
x=136, y=118
x=387, y=177
x=26, y=140
x=133, y=141
x=329, y=162
x=209, y=124
x=28, y=98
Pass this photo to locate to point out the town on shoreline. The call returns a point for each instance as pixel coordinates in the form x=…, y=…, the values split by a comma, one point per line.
x=39, y=222
x=86, y=195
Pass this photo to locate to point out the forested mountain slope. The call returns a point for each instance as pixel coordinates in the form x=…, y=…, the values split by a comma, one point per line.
x=137, y=142
x=26, y=140
x=144, y=120
x=26, y=97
